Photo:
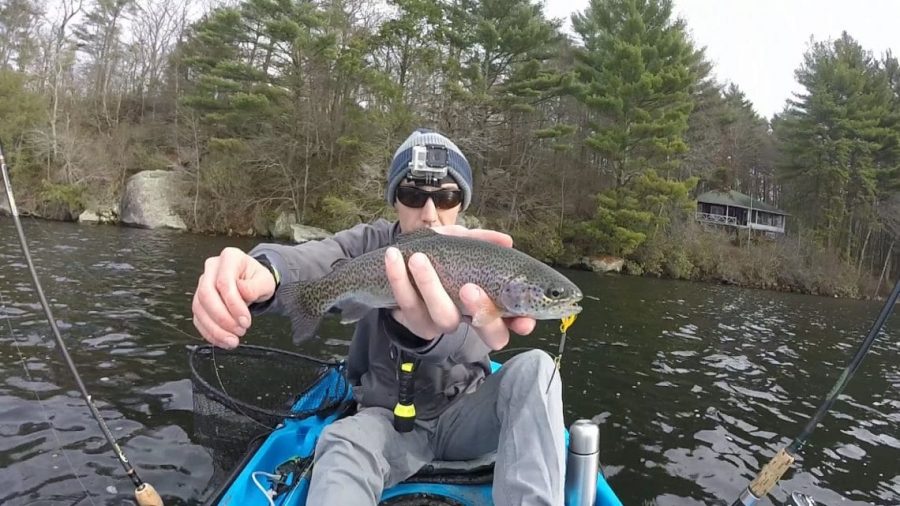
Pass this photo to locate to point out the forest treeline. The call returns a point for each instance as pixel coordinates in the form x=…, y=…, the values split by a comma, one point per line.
x=586, y=143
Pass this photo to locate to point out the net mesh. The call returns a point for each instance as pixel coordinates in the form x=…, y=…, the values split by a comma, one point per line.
x=242, y=394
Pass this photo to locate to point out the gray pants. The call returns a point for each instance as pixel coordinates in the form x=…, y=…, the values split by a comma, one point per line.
x=511, y=412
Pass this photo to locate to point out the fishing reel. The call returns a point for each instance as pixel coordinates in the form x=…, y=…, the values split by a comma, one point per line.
x=429, y=164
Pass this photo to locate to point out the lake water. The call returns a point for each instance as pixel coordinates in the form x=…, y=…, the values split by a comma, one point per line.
x=695, y=385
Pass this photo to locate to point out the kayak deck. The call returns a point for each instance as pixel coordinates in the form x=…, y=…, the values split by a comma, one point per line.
x=296, y=439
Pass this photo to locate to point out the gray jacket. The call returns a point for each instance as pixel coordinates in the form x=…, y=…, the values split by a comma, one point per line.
x=449, y=366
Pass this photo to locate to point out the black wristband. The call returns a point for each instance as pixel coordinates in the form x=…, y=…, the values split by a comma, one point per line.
x=261, y=306
x=264, y=261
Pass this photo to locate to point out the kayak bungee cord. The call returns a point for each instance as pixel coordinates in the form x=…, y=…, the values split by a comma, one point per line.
x=770, y=474
x=144, y=493
x=269, y=493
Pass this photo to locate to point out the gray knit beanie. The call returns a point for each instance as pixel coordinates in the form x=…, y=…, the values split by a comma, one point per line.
x=458, y=165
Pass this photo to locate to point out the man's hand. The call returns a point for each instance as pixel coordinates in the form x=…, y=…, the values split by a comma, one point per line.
x=431, y=312
x=228, y=284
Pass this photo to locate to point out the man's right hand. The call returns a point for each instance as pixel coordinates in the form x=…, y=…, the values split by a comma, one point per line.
x=425, y=307
x=229, y=283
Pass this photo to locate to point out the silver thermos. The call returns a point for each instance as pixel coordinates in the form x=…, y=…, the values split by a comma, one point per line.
x=583, y=463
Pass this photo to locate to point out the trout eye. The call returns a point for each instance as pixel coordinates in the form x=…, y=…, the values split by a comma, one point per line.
x=556, y=293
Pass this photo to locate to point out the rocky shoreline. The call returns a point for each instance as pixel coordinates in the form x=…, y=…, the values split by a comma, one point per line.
x=150, y=199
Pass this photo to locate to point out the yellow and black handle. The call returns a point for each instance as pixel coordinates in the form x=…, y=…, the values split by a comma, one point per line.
x=405, y=410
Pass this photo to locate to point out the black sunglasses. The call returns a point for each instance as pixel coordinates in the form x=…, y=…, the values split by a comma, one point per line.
x=411, y=196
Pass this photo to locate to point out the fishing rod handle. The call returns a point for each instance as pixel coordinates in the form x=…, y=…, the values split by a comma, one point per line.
x=771, y=473
x=766, y=479
x=146, y=495
x=746, y=499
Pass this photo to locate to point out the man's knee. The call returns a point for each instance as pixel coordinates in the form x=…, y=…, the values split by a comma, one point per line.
x=532, y=364
x=529, y=381
x=332, y=437
x=528, y=374
x=332, y=434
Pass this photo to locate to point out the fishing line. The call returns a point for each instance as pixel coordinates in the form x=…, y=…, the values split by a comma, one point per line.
x=37, y=396
x=506, y=351
x=158, y=319
x=564, y=325
x=146, y=314
x=848, y=373
x=145, y=494
x=235, y=405
x=773, y=471
x=161, y=321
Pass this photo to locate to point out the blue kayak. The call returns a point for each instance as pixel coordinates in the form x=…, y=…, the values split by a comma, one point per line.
x=276, y=471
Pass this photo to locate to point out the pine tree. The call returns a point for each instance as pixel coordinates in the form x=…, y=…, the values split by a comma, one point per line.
x=498, y=51
x=497, y=77
x=730, y=145
x=22, y=111
x=635, y=75
x=277, y=85
x=831, y=138
x=628, y=216
x=18, y=42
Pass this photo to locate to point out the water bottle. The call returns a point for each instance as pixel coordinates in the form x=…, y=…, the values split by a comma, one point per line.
x=582, y=463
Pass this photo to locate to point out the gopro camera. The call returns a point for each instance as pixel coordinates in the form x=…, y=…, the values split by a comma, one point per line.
x=430, y=163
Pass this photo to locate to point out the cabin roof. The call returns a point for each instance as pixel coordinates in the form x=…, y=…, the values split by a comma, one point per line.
x=737, y=199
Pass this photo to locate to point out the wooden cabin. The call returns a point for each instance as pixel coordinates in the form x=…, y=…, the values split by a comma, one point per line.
x=734, y=209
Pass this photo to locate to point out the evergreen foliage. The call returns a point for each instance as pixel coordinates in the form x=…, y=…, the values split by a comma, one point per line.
x=583, y=146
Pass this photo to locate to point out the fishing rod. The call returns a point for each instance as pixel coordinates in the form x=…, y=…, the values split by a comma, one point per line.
x=773, y=471
x=144, y=492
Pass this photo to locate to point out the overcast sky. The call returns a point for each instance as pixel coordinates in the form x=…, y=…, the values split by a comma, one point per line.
x=757, y=44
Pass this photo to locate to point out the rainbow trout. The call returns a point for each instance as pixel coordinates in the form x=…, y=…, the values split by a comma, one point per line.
x=518, y=284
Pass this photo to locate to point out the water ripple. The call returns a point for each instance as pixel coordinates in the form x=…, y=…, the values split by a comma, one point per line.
x=696, y=385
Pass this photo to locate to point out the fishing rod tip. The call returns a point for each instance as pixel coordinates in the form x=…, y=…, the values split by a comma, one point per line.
x=146, y=495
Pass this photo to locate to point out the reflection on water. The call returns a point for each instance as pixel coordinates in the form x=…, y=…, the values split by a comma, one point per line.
x=695, y=386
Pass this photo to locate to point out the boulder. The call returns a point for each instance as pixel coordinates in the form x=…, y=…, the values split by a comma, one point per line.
x=281, y=229
x=260, y=225
x=469, y=221
x=604, y=263
x=149, y=200
x=88, y=216
x=4, y=204
x=303, y=233
x=107, y=214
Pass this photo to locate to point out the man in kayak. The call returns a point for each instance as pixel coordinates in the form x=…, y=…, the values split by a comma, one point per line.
x=462, y=410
